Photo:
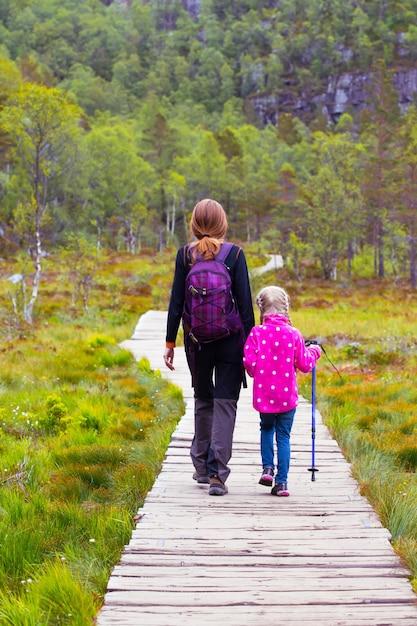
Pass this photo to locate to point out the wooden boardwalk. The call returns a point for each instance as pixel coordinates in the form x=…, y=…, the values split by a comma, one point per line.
x=320, y=557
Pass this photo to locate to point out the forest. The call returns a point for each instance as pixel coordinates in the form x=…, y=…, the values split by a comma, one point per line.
x=116, y=116
x=300, y=117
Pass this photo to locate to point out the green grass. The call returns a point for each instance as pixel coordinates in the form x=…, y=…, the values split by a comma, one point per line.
x=369, y=333
x=83, y=430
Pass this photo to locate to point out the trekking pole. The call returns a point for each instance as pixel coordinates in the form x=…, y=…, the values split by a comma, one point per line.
x=313, y=469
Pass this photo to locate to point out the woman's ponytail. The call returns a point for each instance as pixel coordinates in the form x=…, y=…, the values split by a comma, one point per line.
x=209, y=226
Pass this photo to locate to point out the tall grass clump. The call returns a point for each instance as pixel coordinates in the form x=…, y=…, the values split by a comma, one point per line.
x=83, y=431
x=371, y=410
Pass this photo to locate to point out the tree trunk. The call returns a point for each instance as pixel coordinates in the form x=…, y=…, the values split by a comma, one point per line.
x=248, y=238
x=350, y=255
x=99, y=232
x=329, y=266
x=130, y=237
x=296, y=262
x=375, y=244
x=173, y=218
x=413, y=262
x=258, y=227
x=167, y=222
x=381, y=258
x=28, y=310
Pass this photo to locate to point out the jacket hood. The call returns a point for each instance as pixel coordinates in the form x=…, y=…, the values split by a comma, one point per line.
x=275, y=318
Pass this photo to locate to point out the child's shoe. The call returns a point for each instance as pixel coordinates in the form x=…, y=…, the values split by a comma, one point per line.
x=267, y=477
x=280, y=489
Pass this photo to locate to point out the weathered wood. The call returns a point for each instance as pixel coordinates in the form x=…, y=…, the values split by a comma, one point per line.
x=247, y=559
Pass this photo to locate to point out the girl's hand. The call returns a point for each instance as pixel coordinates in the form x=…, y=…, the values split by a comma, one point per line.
x=169, y=358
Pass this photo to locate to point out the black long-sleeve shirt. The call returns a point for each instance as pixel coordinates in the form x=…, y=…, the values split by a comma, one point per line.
x=240, y=288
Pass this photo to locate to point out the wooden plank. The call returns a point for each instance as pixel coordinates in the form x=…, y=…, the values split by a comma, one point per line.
x=257, y=562
x=273, y=584
x=213, y=597
x=269, y=574
x=318, y=557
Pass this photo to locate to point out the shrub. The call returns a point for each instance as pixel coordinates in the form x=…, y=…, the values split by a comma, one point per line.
x=381, y=357
x=129, y=428
x=118, y=358
x=408, y=457
x=55, y=412
x=92, y=455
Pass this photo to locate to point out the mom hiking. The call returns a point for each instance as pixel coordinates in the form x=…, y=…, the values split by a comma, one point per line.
x=211, y=295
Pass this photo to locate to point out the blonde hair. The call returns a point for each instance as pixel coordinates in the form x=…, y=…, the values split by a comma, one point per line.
x=273, y=300
x=209, y=226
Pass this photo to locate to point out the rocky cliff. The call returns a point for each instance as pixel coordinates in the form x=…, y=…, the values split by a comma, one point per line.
x=349, y=92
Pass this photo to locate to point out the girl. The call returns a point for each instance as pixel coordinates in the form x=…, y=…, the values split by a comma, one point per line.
x=212, y=345
x=273, y=351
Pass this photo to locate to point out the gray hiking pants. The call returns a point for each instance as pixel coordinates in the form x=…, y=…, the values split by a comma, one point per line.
x=214, y=423
x=215, y=405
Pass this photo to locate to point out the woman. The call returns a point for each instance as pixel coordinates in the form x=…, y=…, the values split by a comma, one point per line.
x=216, y=322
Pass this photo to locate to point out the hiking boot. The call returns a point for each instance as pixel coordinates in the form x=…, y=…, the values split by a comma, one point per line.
x=280, y=489
x=201, y=479
x=267, y=477
x=217, y=487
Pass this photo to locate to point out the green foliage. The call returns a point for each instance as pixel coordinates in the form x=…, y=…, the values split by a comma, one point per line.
x=371, y=412
x=83, y=432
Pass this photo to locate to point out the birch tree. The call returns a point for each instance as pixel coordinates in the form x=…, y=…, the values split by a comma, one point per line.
x=43, y=126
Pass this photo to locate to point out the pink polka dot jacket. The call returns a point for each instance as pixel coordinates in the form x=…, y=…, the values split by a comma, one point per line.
x=272, y=354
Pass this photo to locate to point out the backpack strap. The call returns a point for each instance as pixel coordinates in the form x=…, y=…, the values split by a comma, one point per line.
x=224, y=251
x=187, y=257
x=232, y=256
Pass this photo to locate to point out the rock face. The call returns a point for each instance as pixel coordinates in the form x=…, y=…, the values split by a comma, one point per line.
x=193, y=7
x=348, y=92
x=405, y=82
x=125, y=3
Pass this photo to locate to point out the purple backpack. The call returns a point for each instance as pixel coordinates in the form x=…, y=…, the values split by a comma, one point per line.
x=210, y=312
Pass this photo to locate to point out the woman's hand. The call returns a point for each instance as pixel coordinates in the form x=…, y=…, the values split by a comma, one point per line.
x=169, y=358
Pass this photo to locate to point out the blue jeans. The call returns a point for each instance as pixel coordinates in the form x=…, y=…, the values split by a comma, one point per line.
x=279, y=424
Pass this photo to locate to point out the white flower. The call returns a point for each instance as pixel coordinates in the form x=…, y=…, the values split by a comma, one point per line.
x=92, y=540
